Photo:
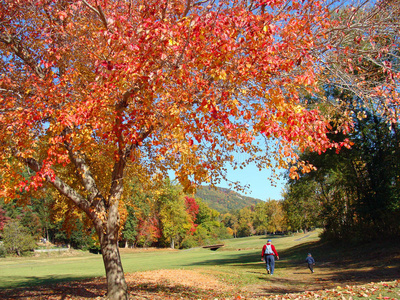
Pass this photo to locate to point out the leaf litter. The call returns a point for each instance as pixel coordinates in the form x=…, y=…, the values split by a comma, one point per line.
x=192, y=284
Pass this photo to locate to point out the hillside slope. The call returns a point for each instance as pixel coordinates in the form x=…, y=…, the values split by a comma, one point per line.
x=224, y=200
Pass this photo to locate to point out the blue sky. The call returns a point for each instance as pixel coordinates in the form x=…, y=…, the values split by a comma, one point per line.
x=260, y=186
x=259, y=182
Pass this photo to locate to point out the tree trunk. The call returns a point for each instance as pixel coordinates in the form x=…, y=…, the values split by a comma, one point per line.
x=107, y=231
x=116, y=284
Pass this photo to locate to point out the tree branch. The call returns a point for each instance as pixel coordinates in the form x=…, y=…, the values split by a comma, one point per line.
x=23, y=53
x=85, y=175
x=59, y=184
x=99, y=12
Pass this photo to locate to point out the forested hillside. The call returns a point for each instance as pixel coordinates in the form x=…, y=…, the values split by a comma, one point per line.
x=224, y=200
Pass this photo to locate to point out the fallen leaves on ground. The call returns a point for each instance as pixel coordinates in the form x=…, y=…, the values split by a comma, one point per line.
x=373, y=290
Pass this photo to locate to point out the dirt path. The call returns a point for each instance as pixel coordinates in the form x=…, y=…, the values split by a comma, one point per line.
x=303, y=237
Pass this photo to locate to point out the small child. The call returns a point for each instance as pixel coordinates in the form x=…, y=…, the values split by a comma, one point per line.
x=311, y=262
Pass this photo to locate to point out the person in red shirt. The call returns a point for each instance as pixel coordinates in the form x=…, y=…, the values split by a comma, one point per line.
x=268, y=255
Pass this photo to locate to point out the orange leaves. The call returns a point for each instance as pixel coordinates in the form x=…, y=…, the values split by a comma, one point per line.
x=293, y=173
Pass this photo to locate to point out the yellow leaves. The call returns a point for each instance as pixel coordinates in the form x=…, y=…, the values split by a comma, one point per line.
x=222, y=75
x=171, y=42
x=219, y=74
x=298, y=109
x=361, y=115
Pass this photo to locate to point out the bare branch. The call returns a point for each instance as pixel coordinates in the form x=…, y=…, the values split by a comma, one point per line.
x=99, y=12
x=187, y=8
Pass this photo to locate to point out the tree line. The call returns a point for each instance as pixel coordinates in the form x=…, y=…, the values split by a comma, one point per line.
x=354, y=194
x=165, y=217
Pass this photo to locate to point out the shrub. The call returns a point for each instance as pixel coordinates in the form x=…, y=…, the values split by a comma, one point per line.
x=3, y=251
x=17, y=239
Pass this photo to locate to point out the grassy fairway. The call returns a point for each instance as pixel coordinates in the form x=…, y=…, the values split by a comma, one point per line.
x=235, y=269
x=237, y=258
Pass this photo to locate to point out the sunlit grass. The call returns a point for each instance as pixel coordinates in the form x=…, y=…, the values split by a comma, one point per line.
x=237, y=262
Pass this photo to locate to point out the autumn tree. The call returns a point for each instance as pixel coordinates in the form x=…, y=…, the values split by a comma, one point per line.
x=3, y=220
x=174, y=219
x=232, y=223
x=94, y=91
x=192, y=208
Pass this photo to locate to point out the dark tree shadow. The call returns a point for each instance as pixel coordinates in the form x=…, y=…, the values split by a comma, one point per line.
x=66, y=287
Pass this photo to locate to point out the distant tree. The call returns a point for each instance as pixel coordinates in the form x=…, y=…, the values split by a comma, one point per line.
x=245, y=220
x=231, y=221
x=17, y=238
x=205, y=213
x=175, y=221
x=130, y=230
x=72, y=232
x=139, y=206
x=192, y=208
x=275, y=216
x=260, y=218
x=301, y=205
x=3, y=220
x=149, y=231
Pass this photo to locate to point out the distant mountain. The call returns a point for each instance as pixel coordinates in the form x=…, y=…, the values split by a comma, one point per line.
x=224, y=200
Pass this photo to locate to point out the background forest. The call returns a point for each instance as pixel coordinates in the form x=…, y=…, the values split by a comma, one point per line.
x=167, y=217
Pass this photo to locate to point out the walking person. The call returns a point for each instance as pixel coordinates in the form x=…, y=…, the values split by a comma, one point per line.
x=268, y=255
x=311, y=262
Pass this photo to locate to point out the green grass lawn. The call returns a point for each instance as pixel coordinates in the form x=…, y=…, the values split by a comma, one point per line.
x=342, y=270
x=238, y=258
x=339, y=267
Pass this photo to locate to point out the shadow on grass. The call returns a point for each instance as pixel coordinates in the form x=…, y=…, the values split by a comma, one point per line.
x=25, y=281
x=336, y=264
x=96, y=288
x=55, y=288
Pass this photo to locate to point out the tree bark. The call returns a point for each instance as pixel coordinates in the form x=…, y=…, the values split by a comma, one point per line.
x=116, y=284
x=107, y=231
